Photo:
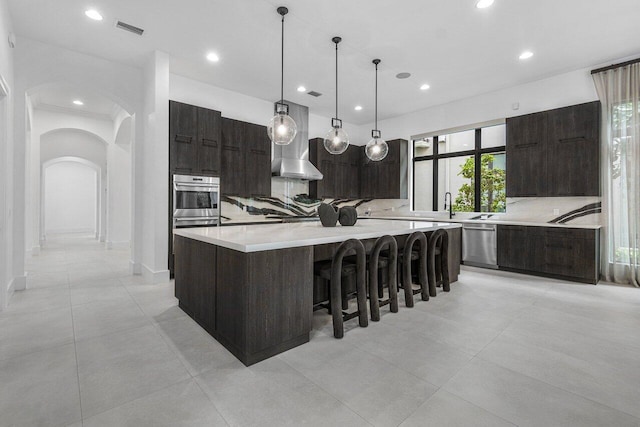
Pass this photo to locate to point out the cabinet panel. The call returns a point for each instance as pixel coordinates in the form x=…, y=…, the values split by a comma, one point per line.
x=526, y=155
x=183, y=136
x=209, y=136
x=257, y=161
x=574, y=152
x=513, y=247
x=232, y=177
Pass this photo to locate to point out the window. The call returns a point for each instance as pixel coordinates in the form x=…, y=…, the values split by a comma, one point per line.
x=470, y=164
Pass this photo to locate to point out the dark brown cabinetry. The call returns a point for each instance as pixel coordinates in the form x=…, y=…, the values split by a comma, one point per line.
x=568, y=253
x=554, y=153
x=194, y=140
x=352, y=175
x=246, y=159
x=341, y=172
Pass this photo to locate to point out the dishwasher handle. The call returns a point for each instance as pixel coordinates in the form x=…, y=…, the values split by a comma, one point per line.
x=492, y=229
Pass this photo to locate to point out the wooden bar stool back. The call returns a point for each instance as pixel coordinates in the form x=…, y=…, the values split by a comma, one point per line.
x=392, y=265
x=438, y=261
x=336, y=286
x=419, y=238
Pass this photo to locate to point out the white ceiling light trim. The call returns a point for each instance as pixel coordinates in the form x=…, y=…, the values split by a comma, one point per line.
x=525, y=55
x=424, y=87
x=78, y=102
x=213, y=57
x=483, y=4
x=93, y=14
x=302, y=89
x=358, y=108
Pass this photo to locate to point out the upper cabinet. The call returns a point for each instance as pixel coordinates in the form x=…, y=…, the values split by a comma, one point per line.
x=341, y=177
x=554, y=153
x=246, y=159
x=194, y=140
x=351, y=175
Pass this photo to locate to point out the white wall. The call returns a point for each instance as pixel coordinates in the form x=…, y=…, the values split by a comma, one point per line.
x=9, y=276
x=39, y=65
x=119, y=185
x=246, y=108
x=559, y=91
x=70, y=198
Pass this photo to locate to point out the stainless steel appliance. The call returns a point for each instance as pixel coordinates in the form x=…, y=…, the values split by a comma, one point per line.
x=480, y=245
x=196, y=201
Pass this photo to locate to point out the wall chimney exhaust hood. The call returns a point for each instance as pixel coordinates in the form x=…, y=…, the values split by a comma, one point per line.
x=292, y=161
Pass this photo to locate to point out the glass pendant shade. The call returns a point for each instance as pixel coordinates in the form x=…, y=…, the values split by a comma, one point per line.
x=336, y=141
x=282, y=129
x=376, y=149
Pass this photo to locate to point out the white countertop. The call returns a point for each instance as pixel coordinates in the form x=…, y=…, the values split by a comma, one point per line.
x=259, y=237
x=487, y=221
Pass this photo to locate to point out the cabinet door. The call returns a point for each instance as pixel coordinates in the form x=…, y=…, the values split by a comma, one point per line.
x=257, y=161
x=352, y=175
x=526, y=156
x=232, y=177
x=209, y=136
x=574, y=150
x=183, y=136
x=514, y=250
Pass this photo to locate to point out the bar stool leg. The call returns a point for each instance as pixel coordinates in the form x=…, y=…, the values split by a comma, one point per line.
x=336, y=303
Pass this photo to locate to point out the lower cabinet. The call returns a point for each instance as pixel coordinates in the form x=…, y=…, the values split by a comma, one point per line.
x=567, y=253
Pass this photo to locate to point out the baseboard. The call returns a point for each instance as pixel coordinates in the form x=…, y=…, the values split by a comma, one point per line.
x=155, y=276
x=69, y=231
x=18, y=283
x=135, y=268
x=125, y=244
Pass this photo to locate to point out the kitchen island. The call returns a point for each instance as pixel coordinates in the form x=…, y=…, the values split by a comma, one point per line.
x=251, y=286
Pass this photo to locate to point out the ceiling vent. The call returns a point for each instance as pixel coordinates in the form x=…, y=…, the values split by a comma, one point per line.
x=129, y=27
x=314, y=93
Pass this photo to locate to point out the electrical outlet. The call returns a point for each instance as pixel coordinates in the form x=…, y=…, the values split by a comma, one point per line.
x=556, y=211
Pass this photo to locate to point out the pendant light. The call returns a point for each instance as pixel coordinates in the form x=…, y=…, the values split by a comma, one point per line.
x=337, y=140
x=282, y=128
x=377, y=148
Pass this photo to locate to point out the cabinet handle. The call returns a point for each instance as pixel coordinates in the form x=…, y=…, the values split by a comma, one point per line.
x=183, y=138
x=575, y=139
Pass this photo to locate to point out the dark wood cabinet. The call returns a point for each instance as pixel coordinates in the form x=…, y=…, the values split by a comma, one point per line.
x=554, y=153
x=246, y=160
x=567, y=253
x=341, y=177
x=194, y=140
x=351, y=175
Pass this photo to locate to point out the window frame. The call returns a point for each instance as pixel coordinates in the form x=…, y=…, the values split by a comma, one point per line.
x=476, y=152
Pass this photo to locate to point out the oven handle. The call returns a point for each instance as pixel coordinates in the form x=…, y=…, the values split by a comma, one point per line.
x=197, y=218
x=195, y=184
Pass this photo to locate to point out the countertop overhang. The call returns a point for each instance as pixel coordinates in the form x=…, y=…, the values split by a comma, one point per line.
x=256, y=238
x=488, y=221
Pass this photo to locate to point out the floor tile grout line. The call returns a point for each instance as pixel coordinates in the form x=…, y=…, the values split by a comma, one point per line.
x=480, y=407
x=75, y=350
x=195, y=379
x=559, y=388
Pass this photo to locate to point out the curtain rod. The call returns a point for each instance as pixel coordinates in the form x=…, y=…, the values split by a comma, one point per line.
x=614, y=66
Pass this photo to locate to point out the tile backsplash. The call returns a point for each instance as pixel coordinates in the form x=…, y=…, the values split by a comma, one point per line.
x=290, y=197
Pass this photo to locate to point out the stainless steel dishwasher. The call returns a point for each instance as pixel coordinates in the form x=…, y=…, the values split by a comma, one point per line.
x=480, y=245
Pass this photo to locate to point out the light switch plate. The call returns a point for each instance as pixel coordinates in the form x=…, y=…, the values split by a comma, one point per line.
x=556, y=211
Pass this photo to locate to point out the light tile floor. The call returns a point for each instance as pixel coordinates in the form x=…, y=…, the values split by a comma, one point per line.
x=88, y=344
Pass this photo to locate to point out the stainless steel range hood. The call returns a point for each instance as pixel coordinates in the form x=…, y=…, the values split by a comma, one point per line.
x=292, y=161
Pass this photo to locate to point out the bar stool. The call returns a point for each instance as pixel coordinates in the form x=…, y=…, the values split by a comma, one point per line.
x=438, y=271
x=335, y=271
x=408, y=256
x=374, y=265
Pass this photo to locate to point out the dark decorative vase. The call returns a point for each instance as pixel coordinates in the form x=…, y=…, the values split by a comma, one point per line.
x=328, y=215
x=347, y=215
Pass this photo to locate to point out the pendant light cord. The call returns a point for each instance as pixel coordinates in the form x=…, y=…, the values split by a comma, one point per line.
x=376, y=96
x=282, y=63
x=337, y=80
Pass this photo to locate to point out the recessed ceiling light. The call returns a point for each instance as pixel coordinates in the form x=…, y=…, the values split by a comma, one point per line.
x=404, y=75
x=424, y=87
x=358, y=107
x=78, y=102
x=93, y=14
x=526, y=54
x=302, y=89
x=481, y=4
x=213, y=57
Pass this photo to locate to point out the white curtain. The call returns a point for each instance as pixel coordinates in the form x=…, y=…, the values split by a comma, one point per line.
x=619, y=92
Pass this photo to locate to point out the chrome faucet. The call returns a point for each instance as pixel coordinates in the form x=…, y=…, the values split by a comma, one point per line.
x=451, y=212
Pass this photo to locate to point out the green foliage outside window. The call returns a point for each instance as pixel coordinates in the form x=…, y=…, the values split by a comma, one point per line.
x=492, y=187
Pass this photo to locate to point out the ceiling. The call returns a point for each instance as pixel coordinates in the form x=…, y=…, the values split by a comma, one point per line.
x=459, y=50
x=60, y=98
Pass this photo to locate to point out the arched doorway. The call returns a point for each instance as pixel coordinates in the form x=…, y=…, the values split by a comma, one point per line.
x=71, y=202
